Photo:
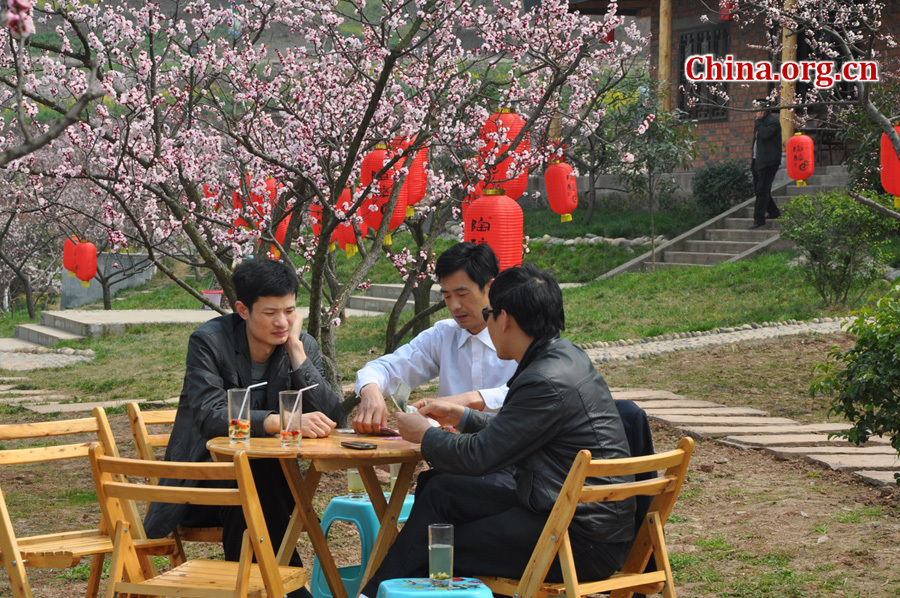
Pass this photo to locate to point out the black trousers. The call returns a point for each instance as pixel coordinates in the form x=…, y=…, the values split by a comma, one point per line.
x=277, y=504
x=493, y=535
x=762, y=186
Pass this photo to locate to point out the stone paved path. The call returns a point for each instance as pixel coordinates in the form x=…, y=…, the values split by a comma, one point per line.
x=875, y=462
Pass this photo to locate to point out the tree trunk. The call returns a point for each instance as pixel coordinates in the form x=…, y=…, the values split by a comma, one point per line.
x=107, y=295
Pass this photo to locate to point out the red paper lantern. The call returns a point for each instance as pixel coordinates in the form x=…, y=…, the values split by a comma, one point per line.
x=498, y=177
x=726, y=10
x=562, y=190
x=280, y=234
x=373, y=207
x=890, y=167
x=801, y=162
x=257, y=205
x=469, y=200
x=85, y=262
x=416, y=180
x=373, y=163
x=497, y=220
x=69, y=254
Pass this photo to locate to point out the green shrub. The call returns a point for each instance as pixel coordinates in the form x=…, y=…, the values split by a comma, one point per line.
x=841, y=240
x=717, y=187
x=866, y=379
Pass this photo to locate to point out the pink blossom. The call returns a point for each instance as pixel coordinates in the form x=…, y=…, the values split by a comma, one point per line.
x=628, y=157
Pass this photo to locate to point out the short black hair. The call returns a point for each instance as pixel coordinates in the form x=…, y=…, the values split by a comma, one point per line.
x=531, y=296
x=477, y=260
x=263, y=278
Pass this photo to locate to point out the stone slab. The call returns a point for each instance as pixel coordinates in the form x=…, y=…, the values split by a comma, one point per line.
x=5, y=379
x=856, y=462
x=674, y=404
x=725, y=420
x=23, y=393
x=12, y=344
x=89, y=406
x=638, y=394
x=792, y=452
x=774, y=440
x=877, y=478
x=722, y=431
x=710, y=411
x=33, y=399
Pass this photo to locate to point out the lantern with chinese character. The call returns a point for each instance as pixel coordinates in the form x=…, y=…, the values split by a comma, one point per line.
x=372, y=209
x=890, y=168
x=801, y=161
x=69, y=254
x=562, y=191
x=85, y=262
x=505, y=125
x=497, y=220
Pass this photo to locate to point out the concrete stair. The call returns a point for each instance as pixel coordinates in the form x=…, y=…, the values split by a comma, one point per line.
x=726, y=237
x=382, y=297
x=43, y=335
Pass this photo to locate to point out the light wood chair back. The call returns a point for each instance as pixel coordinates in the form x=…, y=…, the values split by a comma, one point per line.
x=151, y=430
x=649, y=539
x=48, y=442
x=119, y=480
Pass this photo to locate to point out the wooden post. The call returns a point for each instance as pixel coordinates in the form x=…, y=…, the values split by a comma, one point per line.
x=664, y=73
x=788, y=54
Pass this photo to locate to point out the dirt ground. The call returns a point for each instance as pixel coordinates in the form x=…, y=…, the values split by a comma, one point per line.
x=746, y=525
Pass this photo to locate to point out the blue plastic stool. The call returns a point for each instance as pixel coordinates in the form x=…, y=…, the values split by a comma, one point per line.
x=360, y=512
x=461, y=587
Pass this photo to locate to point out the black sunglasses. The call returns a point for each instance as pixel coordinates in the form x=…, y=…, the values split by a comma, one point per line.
x=487, y=311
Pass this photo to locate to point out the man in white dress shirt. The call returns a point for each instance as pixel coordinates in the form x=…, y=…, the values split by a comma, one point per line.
x=458, y=350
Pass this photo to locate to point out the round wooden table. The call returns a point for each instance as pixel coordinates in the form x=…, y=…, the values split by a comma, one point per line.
x=327, y=454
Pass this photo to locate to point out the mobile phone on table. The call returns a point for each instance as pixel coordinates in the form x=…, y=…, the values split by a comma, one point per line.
x=360, y=446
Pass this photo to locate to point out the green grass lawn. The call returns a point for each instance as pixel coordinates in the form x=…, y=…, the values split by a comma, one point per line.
x=148, y=362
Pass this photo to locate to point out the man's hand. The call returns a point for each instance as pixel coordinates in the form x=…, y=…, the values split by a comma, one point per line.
x=316, y=425
x=412, y=426
x=372, y=413
x=471, y=399
x=293, y=345
x=312, y=425
x=445, y=412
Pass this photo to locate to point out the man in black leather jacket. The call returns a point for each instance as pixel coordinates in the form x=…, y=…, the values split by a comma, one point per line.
x=262, y=342
x=557, y=405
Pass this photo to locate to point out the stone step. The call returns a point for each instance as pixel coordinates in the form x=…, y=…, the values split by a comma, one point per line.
x=379, y=304
x=856, y=462
x=667, y=265
x=729, y=247
x=97, y=323
x=794, y=440
x=392, y=291
x=725, y=420
x=43, y=335
x=89, y=406
x=757, y=235
x=639, y=394
x=691, y=257
x=721, y=431
x=744, y=223
x=719, y=411
x=877, y=478
x=671, y=404
x=795, y=191
x=34, y=399
x=792, y=452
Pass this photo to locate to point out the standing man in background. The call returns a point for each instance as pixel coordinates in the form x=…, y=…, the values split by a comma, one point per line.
x=764, y=163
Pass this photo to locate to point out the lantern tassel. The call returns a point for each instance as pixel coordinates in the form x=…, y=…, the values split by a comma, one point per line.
x=71, y=274
x=801, y=183
x=896, y=203
x=332, y=247
x=351, y=249
x=410, y=212
x=387, y=240
x=565, y=217
x=85, y=283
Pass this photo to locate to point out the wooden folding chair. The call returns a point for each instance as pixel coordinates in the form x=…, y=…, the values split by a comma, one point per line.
x=197, y=577
x=42, y=443
x=145, y=444
x=649, y=540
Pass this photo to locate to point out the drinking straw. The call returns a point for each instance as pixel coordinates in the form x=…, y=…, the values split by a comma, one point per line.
x=297, y=402
x=247, y=396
